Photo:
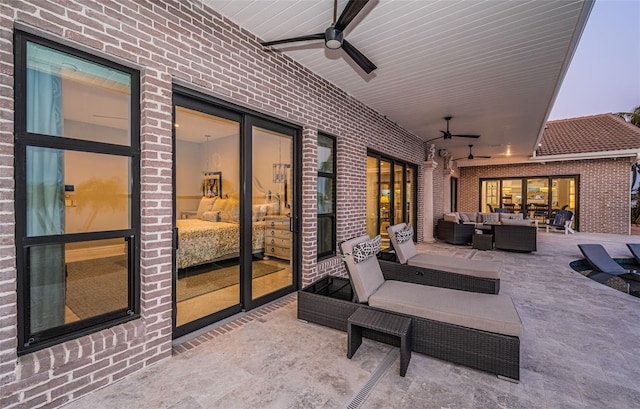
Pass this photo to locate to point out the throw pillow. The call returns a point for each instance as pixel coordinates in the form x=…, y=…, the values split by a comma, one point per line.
x=464, y=218
x=366, y=249
x=405, y=234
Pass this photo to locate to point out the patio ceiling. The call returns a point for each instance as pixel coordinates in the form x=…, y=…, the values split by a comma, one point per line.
x=494, y=66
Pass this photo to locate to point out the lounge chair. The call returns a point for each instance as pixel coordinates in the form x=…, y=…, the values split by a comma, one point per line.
x=477, y=330
x=562, y=221
x=604, y=267
x=457, y=273
x=634, y=248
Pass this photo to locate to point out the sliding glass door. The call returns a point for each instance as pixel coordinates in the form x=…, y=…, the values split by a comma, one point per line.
x=391, y=193
x=235, y=211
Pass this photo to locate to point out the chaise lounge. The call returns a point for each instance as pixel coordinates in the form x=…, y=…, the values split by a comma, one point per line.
x=604, y=267
x=457, y=273
x=477, y=330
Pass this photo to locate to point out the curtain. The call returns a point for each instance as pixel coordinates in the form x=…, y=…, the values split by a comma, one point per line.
x=45, y=201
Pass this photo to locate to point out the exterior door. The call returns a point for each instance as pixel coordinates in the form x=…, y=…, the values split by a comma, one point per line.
x=236, y=206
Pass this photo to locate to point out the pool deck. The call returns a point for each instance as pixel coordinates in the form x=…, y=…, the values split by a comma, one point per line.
x=581, y=349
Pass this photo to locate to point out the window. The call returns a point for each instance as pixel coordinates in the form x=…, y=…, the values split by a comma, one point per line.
x=326, y=196
x=77, y=194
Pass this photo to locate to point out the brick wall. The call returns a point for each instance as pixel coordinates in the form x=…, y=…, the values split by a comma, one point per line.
x=603, y=192
x=174, y=41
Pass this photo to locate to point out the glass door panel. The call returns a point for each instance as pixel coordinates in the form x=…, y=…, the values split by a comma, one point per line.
x=272, y=201
x=489, y=196
x=207, y=202
x=373, y=193
x=398, y=194
x=385, y=201
x=511, y=195
x=538, y=198
x=563, y=195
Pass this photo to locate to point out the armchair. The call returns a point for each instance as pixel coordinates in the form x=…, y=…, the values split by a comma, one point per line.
x=562, y=222
x=454, y=233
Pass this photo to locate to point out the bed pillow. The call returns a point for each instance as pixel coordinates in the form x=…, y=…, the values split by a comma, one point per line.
x=211, y=216
x=366, y=249
x=219, y=205
x=231, y=212
x=206, y=204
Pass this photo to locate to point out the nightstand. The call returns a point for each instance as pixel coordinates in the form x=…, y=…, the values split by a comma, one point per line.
x=277, y=238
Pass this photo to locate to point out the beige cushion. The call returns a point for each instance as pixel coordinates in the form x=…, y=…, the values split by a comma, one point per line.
x=475, y=268
x=404, y=251
x=206, y=204
x=366, y=276
x=486, y=312
x=512, y=222
x=452, y=217
x=489, y=217
x=511, y=216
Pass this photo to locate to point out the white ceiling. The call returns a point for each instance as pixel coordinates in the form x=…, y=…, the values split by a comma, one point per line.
x=495, y=66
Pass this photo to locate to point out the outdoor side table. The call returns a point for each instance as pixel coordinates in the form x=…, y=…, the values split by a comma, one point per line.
x=482, y=241
x=384, y=322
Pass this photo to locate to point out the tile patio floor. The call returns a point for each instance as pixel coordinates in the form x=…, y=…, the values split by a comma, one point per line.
x=581, y=349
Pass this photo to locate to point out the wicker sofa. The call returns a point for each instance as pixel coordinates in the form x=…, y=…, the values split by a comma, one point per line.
x=481, y=331
x=515, y=237
x=454, y=233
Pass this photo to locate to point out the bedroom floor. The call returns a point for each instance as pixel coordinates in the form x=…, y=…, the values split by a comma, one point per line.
x=210, y=302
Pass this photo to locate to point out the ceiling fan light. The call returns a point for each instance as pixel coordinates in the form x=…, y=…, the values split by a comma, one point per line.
x=333, y=38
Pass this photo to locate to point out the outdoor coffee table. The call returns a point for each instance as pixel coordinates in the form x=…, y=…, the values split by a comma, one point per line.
x=384, y=322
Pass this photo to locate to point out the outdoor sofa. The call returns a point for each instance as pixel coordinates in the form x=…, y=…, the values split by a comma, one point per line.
x=515, y=235
x=481, y=331
x=439, y=270
x=459, y=227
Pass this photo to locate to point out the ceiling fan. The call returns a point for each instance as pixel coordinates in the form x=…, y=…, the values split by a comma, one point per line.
x=472, y=156
x=448, y=135
x=333, y=36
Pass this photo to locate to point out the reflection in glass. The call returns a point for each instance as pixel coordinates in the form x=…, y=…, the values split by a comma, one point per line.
x=271, y=211
x=76, y=192
x=372, y=196
x=91, y=280
x=207, y=158
x=76, y=98
x=410, y=183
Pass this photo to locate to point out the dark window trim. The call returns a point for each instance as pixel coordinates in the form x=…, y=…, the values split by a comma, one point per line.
x=414, y=194
x=331, y=215
x=524, y=179
x=28, y=342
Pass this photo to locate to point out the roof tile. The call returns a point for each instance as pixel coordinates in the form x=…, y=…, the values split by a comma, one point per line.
x=596, y=133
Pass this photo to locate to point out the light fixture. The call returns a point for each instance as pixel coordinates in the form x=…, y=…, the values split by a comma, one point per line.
x=280, y=169
x=333, y=38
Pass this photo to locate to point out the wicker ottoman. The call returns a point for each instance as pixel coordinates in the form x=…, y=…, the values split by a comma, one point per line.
x=482, y=241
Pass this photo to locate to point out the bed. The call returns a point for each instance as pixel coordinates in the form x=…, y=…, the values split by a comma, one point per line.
x=202, y=241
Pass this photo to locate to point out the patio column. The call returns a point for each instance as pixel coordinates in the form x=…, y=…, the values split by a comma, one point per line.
x=427, y=231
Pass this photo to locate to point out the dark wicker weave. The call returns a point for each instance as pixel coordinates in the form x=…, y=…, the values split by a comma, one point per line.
x=516, y=238
x=490, y=352
x=454, y=233
x=437, y=278
x=380, y=321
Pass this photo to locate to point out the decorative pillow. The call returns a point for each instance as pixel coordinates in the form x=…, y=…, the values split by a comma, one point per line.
x=452, y=217
x=211, y=216
x=405, y=234
x=464, y=218
x=366, y=249
x=219, y=205
x=231, y=212
x=205, y=205
x=490, y=217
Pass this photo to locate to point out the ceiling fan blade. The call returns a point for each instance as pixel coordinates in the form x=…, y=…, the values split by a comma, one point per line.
x=319, y=36
x=433, y=139
x=466, y=136
x=349, y=13
x=364, y=63
x=482, y=157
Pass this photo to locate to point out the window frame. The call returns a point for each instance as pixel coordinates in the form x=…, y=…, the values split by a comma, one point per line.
x=329, y=215
x=28, y=341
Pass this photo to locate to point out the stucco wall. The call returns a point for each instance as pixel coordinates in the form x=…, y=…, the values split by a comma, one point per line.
x=173, y=41
x=603, y=189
